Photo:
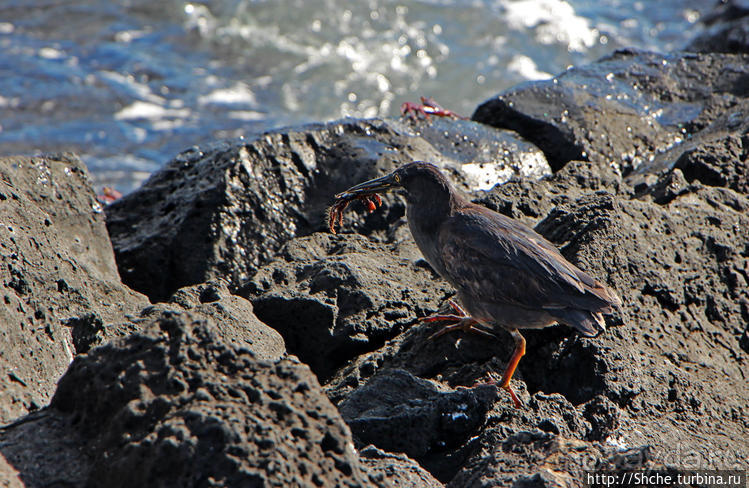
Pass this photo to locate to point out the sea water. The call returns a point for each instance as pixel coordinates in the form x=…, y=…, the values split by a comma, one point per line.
x=129, y=84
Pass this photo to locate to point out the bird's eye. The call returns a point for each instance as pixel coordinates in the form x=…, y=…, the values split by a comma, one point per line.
x=397, y=178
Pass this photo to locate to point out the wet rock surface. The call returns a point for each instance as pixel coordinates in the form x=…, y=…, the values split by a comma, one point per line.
x=633, y=109
x=208, y=387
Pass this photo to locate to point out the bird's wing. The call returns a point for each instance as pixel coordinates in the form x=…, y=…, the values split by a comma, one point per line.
x=494, y=258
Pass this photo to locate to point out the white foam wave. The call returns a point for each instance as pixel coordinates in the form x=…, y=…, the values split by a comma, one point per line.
x=554, y=21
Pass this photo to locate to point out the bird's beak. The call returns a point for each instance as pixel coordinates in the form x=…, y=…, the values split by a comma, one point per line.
x=383, y=183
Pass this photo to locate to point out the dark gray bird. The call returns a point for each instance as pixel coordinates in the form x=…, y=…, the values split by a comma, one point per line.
x=506, y=274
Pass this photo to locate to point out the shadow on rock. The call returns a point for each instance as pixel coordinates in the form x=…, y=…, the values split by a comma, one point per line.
x=401, y=413
x=335, y=297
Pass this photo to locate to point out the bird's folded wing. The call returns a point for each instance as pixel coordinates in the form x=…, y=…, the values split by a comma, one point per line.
x=495, y=259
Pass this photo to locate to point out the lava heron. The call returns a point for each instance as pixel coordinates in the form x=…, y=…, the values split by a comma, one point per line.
x=506, y=274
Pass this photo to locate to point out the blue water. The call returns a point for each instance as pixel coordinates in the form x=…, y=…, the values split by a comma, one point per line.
x=129, y=85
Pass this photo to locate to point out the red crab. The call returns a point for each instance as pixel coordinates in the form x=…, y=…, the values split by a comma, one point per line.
x=335, y=213
x=108, y=195
x=427, y=107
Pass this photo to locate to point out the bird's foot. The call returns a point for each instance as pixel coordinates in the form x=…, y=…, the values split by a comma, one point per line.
x=461, y=321
x=515, y=399
x=464, y=324
x=518, y=353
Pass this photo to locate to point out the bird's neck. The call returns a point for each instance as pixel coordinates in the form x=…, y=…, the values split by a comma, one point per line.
x=427, y=214
x=425, y=217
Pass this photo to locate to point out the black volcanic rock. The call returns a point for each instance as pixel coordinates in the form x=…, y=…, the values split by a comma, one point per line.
x=225, y=210
x=534, y=458
x=390, y=469
x=723, y=162
x=676, y=266
x=632, y=109
x=179, y=404
x=200, y=391
x=333, y=297
x=401, y=413
x=59, y=288
x=725, y=37
x=175, y=406
x=726, y=29
x=237, y=323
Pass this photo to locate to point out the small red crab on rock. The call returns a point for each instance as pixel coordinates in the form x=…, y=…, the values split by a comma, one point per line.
x=108, y=195
x=427, y=107
x=335, y=213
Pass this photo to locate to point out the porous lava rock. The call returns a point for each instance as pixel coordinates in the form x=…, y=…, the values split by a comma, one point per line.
x=176, y=406
x=59, y=288
x=333, y=297
x=236, y=321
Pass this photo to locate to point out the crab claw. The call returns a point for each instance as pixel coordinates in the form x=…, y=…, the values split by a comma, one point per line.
x=371, y=207
x=365, y=192
x=335, y=215
x=331, y=221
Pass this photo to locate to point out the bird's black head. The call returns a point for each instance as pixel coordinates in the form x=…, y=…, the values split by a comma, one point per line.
x=423, y=184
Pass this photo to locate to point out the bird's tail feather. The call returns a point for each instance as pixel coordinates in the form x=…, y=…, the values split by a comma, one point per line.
x=587, y=323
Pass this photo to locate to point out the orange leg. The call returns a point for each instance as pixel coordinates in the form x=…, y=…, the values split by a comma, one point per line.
x=512, y=365
x=461, y=321
x=465, y=323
